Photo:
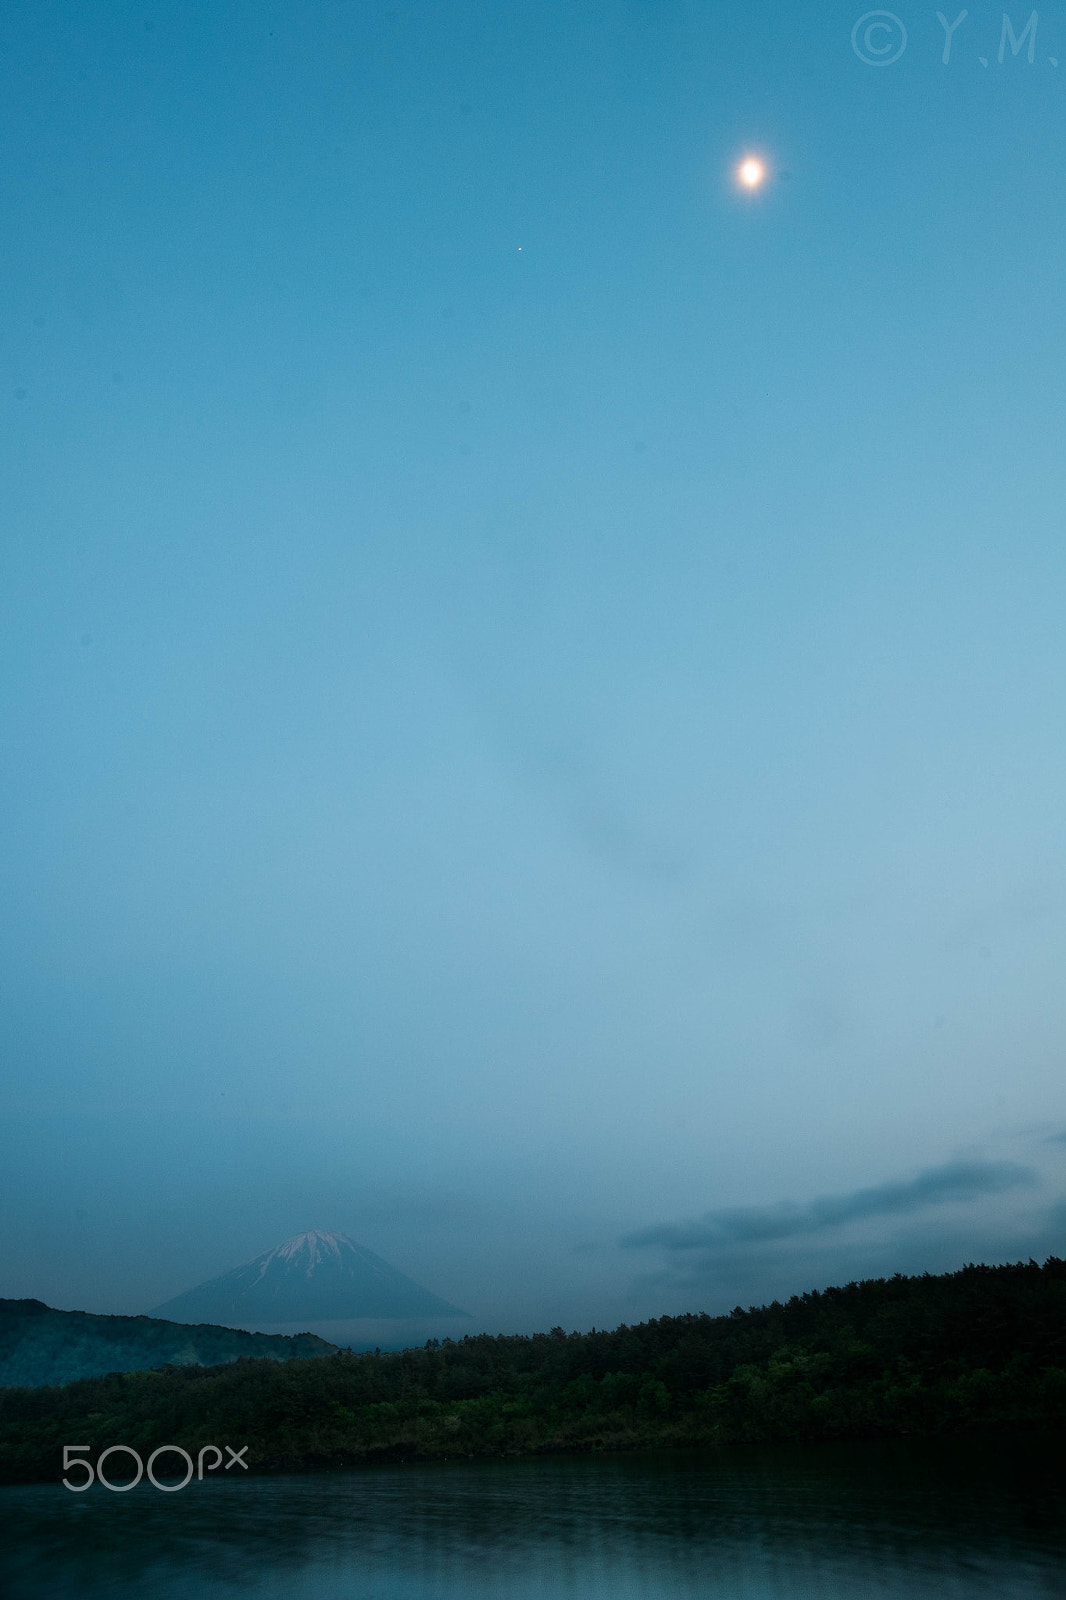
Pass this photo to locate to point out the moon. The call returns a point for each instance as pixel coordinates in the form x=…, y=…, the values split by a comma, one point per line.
x=751, y=172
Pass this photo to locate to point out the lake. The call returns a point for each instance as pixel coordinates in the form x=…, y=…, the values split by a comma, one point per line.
x=917, y=1518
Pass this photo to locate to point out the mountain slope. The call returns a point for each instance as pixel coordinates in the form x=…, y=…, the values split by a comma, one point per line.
x=314, y=1277
x=968, y=1352
x=39, y=1345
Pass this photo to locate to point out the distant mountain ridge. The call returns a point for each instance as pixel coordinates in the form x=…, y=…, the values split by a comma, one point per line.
x=313, y=1277
x=39, y=1345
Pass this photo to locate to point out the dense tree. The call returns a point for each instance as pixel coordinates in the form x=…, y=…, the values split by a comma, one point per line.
x=983, y=1347
x=40, y=1345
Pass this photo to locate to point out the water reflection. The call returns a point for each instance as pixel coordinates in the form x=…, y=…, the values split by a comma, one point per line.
x=749, y=1523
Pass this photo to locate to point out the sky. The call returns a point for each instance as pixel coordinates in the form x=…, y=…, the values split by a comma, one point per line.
x=532, y=678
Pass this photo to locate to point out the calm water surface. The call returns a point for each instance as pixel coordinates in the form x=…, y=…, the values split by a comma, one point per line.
x=911, y=1518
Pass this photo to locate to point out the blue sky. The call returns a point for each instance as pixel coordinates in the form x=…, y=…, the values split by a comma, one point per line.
x=532, y=682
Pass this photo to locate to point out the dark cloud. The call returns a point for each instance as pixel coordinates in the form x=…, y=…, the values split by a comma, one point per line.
x=929, y=1241
x=724, y=1230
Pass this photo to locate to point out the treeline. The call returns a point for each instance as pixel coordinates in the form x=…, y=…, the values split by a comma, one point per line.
x=40, y=1345
x=976, y=1349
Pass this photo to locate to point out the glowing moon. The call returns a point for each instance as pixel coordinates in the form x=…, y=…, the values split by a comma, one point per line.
x=751, y=172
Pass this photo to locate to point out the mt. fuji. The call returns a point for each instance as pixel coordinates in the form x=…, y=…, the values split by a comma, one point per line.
x=313, y=1277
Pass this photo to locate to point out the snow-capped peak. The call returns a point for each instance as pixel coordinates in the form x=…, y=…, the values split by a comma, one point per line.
x=316, y=1246
x=312, y=1276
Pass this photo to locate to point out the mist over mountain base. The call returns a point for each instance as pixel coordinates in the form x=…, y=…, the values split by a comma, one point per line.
x=374, y=1333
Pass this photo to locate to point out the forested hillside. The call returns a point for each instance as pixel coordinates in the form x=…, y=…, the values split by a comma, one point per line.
x=981, y=1348
x=39, y=1345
